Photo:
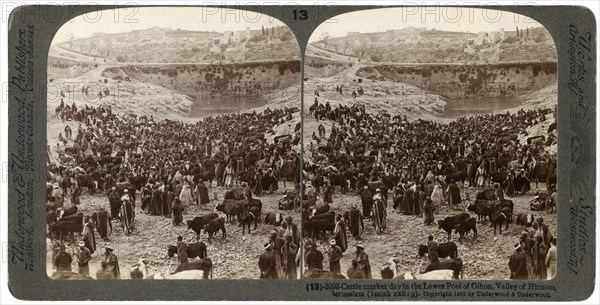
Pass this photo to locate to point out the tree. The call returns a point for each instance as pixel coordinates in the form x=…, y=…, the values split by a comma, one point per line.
x=517, y=31
x=527, y=32
x=272, y=31
x=263, y=30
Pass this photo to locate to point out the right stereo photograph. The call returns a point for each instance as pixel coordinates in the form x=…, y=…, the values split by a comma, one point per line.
x=430, y=146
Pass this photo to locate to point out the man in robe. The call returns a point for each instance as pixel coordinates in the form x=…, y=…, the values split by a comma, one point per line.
x=89, y=238
x=202, y=194
x=335, y=255
x=339, y=232
x=362, y=260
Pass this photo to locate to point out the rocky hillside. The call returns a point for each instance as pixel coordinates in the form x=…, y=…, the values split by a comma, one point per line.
x=249, y=79
x=319, y=67
x=508, y=79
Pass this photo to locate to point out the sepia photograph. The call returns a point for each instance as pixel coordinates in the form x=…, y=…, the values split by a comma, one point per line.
x=173, y=144
x=430, y=146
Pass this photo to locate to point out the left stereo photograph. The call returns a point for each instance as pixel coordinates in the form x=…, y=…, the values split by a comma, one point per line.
x=173, y=147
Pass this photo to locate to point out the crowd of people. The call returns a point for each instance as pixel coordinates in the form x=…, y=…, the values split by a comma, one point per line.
x=163, y=166
x=535, y=254
x=426, y=165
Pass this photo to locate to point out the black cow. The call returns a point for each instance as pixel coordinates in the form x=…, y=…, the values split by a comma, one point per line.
x=482, y=208
x=454, y=264
x=500, y=218
x=78, y=218
x=315, y=226
x=487, y=194
x=248, y=217
x=444, y=250
x=329, y=216
x=235, y=193
x=204, y=264
x=322, y=209
x=507, y=205
x=215, y=225
x=231, y=208
x=448, y=223
x=194, y=250
x=198, y=223
x=61, y=229
x=465, y=226
x=337, y=179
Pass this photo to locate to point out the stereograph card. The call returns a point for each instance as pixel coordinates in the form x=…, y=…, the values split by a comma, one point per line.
x=294, y=152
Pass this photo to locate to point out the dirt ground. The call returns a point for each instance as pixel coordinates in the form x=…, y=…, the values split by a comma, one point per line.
x=484, y=258
x=236, y=257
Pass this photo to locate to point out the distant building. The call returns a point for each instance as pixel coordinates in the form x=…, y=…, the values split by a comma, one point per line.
x=352, y=34
x=239, y=36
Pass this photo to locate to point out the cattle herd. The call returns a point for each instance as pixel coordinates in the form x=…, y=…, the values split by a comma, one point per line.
x=388, y=169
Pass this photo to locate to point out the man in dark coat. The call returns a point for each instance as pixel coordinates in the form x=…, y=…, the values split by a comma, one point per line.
x=177, y=212
x=167, y=201
x=418, y=201
x=517, y=264
x=115, y=203
x=266, y=263
x=409, y=198
x=354, y=222
x=366, y=199
x=104, y=224
x=428, y=211
x=156, y=201
x=63, y=260
x=314, y=257
x=453, y=194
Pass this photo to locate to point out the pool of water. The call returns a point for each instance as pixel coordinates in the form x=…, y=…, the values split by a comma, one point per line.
x=204, y=106
x=479, y=105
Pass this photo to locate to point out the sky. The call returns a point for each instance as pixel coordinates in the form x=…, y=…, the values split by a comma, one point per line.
x=186, y=18
x=440, y=18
